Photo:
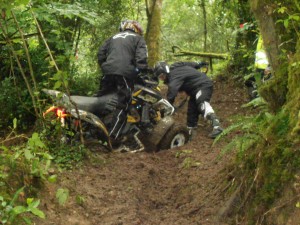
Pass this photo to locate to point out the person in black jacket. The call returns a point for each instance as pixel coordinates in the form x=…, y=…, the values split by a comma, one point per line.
x=121, y=58
x=184, y=76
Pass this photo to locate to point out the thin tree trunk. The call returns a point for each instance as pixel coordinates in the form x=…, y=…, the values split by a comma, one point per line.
x=29, y=64
x=21, y=70
x=263, y=13
x=203, y=7
x=153, y=10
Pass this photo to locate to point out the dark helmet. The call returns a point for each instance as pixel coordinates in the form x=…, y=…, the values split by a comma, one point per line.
x=131, y=25
x=161, y=68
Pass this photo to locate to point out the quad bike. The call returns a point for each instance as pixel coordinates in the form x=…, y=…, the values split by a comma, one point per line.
x=149, y=122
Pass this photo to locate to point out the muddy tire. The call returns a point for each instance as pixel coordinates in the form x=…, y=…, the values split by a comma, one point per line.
x=177, y=136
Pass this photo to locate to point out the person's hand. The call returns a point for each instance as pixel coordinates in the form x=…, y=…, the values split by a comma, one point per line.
x=201, y=64
x=145, y=70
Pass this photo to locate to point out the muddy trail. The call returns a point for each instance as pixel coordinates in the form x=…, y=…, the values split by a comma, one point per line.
x=178, y=186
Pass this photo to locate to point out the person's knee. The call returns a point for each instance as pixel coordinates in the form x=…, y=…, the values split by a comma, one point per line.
x=205, y=109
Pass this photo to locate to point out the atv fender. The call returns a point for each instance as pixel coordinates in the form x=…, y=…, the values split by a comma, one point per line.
x=160, y=130
x=93, y=119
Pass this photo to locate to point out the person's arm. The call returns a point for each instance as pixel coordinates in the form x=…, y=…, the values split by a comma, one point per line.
x=173, y=88
x=141, y=55
x=196, y=65
x=102, y=53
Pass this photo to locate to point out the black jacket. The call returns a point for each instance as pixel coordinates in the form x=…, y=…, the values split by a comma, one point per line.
x=123, y=54
x=184, y=76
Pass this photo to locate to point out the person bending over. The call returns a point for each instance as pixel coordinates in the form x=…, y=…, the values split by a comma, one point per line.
x=184, y=76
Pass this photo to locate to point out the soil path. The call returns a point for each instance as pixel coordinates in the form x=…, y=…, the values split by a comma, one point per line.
x=178, y=186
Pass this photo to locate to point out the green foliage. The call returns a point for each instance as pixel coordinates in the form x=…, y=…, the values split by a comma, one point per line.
x=80, y=200
x=10, y=212
x=11, y=98
x=65, y=10
x=62, y=195
x=247, y=134
x=36, y=157
x=24, y=165
x=274, y=91
x=66, y=153
x=185, y=29
x=266, y=156
x=290, y=18
x=67, y=156
x=188, y=161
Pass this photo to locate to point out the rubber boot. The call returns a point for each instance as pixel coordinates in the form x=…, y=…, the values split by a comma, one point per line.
x=192, y=132
x=217, y=129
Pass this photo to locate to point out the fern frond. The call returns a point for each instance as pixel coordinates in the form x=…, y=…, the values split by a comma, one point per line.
x=255, y=103
x=229, y=147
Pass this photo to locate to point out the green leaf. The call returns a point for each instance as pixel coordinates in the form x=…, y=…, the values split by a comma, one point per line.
x=19, y=209
x=62, y=195
x=282, y=10
x=28, y=154
x=298, y=204
x=34, y=204
x=38, y=213
x=16, y=155
x=27, y=220
x=15, y=123
x=52, y=63
x=52, y=178
x=3, y=204
x=29, y=201
x=35, y=141
x=286, y=23
x=47, y=156
x=16, y=195
x=22, y=2
x=57, y=84
x=294, y=17
x=4, y=148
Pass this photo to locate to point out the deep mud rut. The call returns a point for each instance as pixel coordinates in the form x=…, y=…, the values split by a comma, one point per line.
x=179, y=186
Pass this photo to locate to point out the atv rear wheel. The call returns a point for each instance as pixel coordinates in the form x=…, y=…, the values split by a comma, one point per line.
x=177, y=136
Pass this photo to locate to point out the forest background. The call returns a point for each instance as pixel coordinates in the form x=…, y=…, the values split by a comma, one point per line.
x=53, y=44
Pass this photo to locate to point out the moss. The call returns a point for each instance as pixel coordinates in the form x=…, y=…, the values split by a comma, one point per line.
x=268, y=166
x=275, y=90
x=294, y=94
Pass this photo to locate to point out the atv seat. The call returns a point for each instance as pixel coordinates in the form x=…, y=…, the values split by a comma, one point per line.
x=97, y=105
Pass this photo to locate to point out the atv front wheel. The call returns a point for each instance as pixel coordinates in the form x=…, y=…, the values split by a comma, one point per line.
x=177, y=136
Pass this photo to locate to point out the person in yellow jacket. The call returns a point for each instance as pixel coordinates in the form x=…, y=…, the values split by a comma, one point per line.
x=261, y=59
x=262, y=68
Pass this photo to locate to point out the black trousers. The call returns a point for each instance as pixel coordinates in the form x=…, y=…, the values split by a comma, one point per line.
x=123, y=87
x=194, y=105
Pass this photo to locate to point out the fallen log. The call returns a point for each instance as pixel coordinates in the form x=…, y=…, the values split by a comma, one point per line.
x=179, y=52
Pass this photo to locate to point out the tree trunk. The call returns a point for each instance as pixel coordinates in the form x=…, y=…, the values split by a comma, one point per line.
x=263, y=13
x=153, y=9
x=283, y=91
x=275, y=92
x=203, y=7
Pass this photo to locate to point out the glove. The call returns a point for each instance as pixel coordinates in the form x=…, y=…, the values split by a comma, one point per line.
x=201, y=64
x=143, y=70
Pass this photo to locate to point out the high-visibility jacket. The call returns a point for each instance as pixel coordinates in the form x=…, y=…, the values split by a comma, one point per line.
x=261, y=59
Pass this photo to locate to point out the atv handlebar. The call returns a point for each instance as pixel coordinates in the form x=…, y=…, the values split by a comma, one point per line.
x=146, y=79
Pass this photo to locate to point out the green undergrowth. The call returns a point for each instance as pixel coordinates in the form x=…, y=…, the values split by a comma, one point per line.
x=27, y=166
x=23, y=170
x=267, y=159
